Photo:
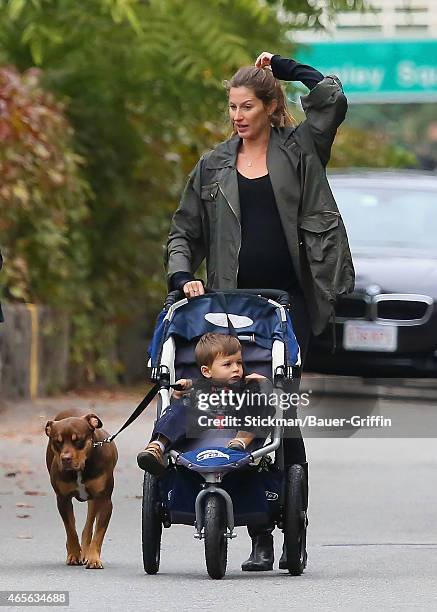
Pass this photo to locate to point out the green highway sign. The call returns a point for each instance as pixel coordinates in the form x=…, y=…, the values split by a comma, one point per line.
x=378, y=71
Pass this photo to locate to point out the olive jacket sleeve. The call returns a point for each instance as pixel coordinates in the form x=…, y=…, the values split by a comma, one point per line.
x=325, y=106
x=186, y=240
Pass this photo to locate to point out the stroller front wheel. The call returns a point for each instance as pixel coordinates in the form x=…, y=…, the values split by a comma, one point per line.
x=295, y=519
x=216, y=542
x=151, y=525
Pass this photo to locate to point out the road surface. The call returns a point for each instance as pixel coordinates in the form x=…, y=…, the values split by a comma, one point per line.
x=372, y=540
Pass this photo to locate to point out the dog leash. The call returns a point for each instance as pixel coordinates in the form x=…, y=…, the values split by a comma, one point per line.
x=138, y=410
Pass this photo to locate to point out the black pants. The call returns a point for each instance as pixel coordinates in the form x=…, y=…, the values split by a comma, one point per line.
x=294, y=448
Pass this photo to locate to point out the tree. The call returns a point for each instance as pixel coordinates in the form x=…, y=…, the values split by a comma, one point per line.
x=357, y=148
x=408, y=126
x=142, y=84
x=43, y=195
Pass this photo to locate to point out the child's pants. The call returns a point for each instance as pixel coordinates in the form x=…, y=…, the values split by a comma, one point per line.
x=172, y=424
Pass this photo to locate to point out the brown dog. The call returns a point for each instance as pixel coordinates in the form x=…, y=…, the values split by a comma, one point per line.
x=78, y=469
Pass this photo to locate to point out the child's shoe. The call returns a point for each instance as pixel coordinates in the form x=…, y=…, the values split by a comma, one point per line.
x=151, y=459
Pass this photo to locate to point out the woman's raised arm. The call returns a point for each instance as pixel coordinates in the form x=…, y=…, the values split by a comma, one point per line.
x=289, y=70
x=325, y=106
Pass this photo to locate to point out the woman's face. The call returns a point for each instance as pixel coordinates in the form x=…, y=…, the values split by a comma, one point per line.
x=247, y=112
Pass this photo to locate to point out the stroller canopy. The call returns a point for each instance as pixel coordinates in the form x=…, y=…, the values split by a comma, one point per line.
x=250, y=315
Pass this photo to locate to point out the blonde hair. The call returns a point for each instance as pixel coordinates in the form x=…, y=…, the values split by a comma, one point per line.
x=210, y=345
x=267, y=89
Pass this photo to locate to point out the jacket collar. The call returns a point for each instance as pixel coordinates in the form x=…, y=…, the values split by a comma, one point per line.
x=225, y=154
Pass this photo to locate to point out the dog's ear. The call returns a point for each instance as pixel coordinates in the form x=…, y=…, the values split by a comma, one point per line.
x=49, y=427
x=93, y=421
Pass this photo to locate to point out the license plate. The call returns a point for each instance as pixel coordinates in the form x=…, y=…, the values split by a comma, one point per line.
x=363, y=336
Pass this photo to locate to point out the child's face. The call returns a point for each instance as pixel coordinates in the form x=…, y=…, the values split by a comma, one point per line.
x=226, y=368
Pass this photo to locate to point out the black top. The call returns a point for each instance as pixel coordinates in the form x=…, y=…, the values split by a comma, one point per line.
x=262, y=204
x=264, y=260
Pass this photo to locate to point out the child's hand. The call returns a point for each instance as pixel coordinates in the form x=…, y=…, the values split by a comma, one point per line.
x=254, y=375
x=186, y=383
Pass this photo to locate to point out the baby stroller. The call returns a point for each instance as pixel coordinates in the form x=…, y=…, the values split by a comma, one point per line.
x=210, y=486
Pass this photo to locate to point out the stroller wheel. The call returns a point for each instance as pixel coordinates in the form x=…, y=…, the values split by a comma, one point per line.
x=151, y=525
x=216, y=542
x=295, y=520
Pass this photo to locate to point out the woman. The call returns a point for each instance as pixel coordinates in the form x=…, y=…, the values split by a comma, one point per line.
x=259, y=209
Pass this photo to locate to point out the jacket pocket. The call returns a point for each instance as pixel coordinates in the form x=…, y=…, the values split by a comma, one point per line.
x=319, y=235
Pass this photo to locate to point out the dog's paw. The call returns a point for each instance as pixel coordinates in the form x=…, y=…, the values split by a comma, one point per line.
x=94, y=563
x=74, y=559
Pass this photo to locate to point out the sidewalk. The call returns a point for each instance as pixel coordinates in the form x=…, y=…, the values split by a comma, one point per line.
x=26, y=418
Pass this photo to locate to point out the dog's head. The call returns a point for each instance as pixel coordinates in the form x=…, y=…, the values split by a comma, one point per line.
x=71, y=440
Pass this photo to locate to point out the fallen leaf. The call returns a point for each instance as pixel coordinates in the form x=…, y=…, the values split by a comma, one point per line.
x=24, y=537
x=23, y=515
x=11, y=474
x=34, y=493
x=23, y=505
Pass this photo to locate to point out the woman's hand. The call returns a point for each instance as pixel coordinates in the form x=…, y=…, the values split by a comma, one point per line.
x=186, y=384
x=193, y=288
x=264, y=59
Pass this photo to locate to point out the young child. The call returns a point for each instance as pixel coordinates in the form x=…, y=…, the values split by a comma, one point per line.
x=219, y=358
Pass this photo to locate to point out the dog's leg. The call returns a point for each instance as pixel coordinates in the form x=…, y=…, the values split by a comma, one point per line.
x=103, y=515
x=87, y=532
x=65, y=508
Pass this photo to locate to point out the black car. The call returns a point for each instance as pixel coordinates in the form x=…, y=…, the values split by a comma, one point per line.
x=388, y=325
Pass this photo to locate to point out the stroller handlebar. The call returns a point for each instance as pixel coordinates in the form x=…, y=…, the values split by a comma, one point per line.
x=172, y=297
x=279, y=295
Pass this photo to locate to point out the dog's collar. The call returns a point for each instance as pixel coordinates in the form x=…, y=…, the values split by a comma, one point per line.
x=100, y=442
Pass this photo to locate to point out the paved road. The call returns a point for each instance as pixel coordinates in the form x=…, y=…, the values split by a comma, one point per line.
x=372, y=539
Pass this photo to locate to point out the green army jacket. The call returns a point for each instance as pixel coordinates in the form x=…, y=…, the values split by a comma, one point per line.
x=206, y=224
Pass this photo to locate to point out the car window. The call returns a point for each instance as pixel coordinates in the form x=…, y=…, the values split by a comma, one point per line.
x=378, y=217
